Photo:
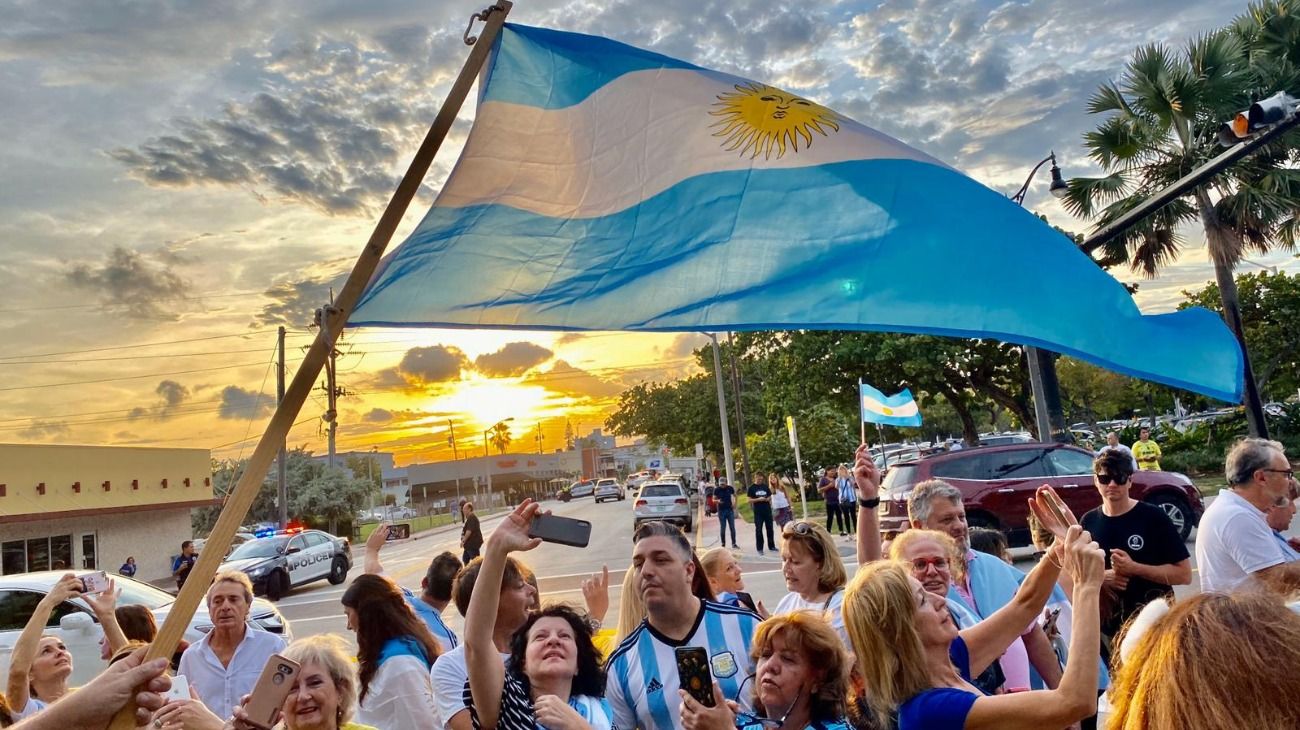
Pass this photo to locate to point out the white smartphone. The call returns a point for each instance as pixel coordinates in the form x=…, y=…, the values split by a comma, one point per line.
x=94, y=582
x=180, y=689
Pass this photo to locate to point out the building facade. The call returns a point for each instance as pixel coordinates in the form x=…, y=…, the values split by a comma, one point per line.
x=92, y=507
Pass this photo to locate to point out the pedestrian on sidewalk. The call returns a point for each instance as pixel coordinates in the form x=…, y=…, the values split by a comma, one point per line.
x=760, y=500
x=780, y=500
x=471, y=535
x=725, y=494
x=831, y=496
x=848, y=501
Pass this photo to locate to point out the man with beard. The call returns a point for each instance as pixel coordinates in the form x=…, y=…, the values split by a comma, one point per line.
x=224, y=665
x=643, y=682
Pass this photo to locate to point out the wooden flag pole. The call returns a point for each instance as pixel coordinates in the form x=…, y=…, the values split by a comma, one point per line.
x=332, y=321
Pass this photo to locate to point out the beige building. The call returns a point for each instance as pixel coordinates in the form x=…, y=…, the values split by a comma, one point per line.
x=94, y=506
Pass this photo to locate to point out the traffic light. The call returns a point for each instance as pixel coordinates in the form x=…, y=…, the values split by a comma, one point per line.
x=1261, y=114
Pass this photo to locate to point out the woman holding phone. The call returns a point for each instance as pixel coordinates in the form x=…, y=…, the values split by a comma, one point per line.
x=39, y=666
x=553, y=677
x=395, y=651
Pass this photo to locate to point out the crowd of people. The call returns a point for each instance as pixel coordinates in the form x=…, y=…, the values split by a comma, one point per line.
x=935, y=630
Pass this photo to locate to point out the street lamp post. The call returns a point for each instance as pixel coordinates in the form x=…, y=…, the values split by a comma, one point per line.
x=1042, y=370
x=722, y=413
x=487, y=459
x=455, y=457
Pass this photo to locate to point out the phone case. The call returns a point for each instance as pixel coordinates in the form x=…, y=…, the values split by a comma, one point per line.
x=561, y=530
x=272, y=687
x=693, y=674
x=94, y=582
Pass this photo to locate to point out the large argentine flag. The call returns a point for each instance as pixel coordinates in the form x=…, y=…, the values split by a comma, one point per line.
x=603, y=187
x=888, y=410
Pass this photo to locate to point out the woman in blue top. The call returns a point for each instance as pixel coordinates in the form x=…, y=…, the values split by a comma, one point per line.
x=800, y=680
x=915, y=661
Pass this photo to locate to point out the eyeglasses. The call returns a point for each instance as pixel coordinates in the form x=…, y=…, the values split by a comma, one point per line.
x=920, y=564
x=745, y=719
x=1104, y=479
x=1290, y=473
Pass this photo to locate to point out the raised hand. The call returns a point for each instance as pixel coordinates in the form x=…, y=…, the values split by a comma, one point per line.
x=69, y=586
x=105, y=602
x=865, y=474
x=595, y=592
x=1083, y=559
x=1052, y=512
x=375, y=541
x=511, y=534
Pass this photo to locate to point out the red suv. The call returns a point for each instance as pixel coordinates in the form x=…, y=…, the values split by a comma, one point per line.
x=996, y=481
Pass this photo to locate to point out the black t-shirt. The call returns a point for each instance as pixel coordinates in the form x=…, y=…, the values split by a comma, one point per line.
x=726, y=496
x=1149, y=537
x=759, y=491
x=473, y=534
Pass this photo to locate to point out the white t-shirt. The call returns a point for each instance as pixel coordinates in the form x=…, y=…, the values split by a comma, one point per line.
x=779, y=500
x=450, y=678
x=400, y=696
x=33, y=706
x=795, y=602
x=1233, y=540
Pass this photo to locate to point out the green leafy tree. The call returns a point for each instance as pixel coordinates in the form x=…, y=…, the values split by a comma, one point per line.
x=366, y=467
x=826, y=436
x=500, y=437
x=1270, y=310
x=331, y=495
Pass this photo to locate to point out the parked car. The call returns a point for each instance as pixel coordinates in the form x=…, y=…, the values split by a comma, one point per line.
x=1003, y=439
x=996, y=481
x=609, y=489
x=277, y=564
x=663, y=500
x=75, y=624
x=583, y=488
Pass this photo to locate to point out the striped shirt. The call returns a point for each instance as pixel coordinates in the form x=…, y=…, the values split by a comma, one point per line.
x=517, y=707
x=643, y=682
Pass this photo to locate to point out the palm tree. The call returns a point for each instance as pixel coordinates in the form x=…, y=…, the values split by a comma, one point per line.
x=500, y=437
x=1163, y=121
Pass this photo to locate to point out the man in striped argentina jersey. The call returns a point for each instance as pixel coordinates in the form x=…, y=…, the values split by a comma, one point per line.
x=642, y=679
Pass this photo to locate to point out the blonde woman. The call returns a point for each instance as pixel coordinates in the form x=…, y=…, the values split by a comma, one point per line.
x=813, y=572
x=727, y=582
x=631, y=611
x=915, y=661
x=781, y=510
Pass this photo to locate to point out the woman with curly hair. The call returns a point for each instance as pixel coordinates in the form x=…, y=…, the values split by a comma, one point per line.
x=553, y=677
x=800, y=682
x=395, y=651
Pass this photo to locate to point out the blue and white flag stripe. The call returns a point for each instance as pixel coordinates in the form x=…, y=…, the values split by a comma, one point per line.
x=607, y=188
x=888, y=410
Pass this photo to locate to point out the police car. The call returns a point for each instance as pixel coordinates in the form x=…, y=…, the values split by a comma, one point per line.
x=282, y=561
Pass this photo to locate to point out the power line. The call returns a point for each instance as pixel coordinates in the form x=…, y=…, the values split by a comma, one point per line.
x=101, y=305
x=128, y=377
x=130, y=347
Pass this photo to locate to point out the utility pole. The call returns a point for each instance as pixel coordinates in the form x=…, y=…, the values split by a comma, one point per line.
x=722, y=413
x=740, y=414
x=331, y=388
x=282, y=463
x=451, y=439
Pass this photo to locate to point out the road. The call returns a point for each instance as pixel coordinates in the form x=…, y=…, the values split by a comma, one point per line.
x=315, y=608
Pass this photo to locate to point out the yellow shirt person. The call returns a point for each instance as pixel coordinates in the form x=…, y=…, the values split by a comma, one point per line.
x=1147, y=452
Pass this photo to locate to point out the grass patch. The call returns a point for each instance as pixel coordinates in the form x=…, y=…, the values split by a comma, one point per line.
x=1209, y=485
x=816, y=510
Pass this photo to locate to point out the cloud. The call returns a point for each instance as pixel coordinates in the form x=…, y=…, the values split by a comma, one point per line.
x=565, y=379
x=128, y=283
x=568, y=338
x=685, y=345
x=378, y=415
x=422, y=367
x=513, y=359
x=329, y=130
x=294, y=303
x=43, y=429
x=171, y=395
x=239, y=404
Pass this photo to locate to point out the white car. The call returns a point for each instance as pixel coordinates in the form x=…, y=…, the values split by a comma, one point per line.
x=665, y=501
x=75, y=624
x=608, y=489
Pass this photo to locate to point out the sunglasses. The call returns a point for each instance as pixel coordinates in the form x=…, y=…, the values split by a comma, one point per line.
x=1104, y=479
x=921, y=564
x=799, y=527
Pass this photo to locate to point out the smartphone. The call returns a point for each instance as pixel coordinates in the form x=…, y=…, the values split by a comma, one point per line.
x=562, y=530
x=94, y=582
x=693, y=673
x=399, y=531
x=747, y=601
x=272, y=687
x=180, y=689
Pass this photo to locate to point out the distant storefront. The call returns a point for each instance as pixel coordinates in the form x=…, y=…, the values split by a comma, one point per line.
x=92, y=507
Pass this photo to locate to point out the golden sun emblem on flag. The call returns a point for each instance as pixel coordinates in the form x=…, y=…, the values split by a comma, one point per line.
x=760, y=119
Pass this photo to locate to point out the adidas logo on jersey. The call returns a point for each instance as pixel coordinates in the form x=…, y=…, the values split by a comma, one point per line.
x=654, y=686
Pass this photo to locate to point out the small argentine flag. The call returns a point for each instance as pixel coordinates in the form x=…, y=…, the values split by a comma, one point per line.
x=889, y=410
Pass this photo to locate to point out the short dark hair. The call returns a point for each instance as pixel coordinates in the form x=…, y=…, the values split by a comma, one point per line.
x=441, y=576
x=988, y=540
x=659, y=528
x=137, y=622
x=186, y=544
x=590, y=679
x=1114, y=462
x=468, y=576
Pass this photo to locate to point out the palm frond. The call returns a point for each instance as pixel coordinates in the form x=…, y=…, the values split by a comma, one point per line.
x=1088, y=194
x=1108, y=98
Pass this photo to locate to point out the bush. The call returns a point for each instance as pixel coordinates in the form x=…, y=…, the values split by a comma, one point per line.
x=1193, y=461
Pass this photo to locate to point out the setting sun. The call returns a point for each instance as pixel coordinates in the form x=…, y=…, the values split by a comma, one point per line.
x=484, y=401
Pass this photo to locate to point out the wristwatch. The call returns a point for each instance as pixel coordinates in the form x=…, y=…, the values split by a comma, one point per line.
x=872, y=503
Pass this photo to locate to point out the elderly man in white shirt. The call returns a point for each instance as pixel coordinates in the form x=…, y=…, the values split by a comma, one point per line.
x=224, y=665
x=1235, y=548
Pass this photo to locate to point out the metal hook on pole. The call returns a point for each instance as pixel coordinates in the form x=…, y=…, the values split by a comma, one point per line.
x=480, y=15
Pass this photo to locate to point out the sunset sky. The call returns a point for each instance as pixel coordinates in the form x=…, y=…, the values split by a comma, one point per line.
x=181, y=178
